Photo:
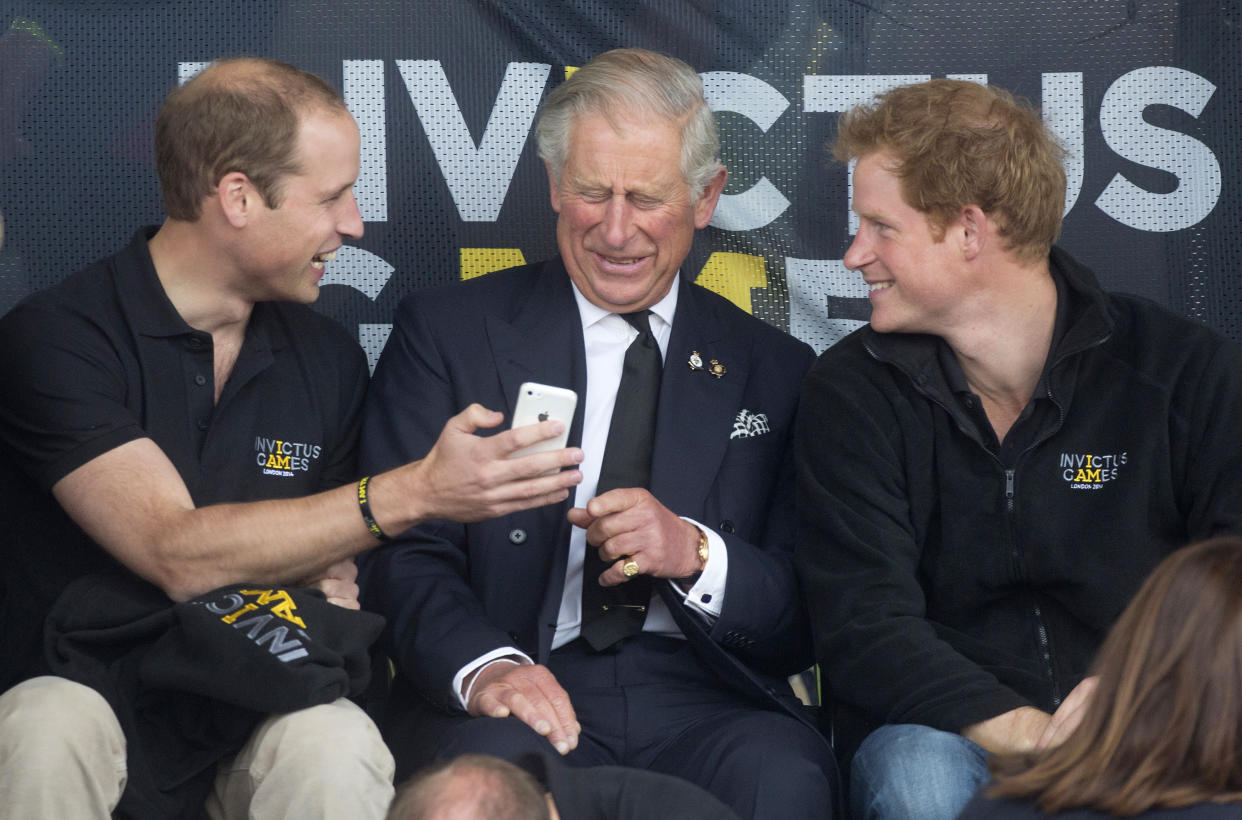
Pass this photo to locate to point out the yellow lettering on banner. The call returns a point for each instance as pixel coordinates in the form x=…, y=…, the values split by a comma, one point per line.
x=284, y=606
x=478, y=261
x=732, y=275
x=233, y=616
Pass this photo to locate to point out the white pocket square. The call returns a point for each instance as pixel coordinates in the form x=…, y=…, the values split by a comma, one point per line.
x=749, y=424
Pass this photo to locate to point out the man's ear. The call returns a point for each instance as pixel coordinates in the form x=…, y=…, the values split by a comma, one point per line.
x=554, y=188
x=706, y=204
x=237, y=198
x=974, y=230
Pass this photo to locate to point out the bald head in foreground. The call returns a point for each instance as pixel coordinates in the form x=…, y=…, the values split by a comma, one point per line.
x=480, y=787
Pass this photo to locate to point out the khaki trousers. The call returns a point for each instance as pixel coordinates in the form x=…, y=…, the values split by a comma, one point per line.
x=62, y=754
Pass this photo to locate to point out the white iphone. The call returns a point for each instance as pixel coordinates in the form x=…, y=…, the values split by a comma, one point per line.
x=541, y=402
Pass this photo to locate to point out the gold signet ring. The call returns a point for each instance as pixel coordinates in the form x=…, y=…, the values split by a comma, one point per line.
x=630, y=568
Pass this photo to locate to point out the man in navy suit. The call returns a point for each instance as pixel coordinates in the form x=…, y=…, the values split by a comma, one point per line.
x=486, y=620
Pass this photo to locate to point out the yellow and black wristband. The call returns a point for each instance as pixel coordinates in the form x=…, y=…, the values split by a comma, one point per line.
x=364, y=505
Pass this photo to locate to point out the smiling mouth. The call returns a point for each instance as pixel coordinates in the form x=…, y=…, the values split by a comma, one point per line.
x=620, y=261
x=318, y=260
x=874, y=286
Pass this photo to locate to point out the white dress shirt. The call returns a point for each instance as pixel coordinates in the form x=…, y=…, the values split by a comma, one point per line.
x=606, y=337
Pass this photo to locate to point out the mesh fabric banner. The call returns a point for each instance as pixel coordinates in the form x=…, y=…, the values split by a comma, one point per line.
x=1146, y=95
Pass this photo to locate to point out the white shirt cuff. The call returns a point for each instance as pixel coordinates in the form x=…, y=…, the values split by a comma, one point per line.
x=707, y=594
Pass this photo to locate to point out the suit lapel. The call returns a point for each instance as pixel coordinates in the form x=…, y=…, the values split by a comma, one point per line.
x=541, y=341
x=696, y=408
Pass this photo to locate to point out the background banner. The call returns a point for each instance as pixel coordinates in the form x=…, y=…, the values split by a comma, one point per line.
x=1145, y=94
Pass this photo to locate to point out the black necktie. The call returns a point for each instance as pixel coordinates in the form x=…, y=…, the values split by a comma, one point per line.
x=612, y=613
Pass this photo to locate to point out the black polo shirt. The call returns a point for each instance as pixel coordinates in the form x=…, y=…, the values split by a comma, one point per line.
x=103, y=358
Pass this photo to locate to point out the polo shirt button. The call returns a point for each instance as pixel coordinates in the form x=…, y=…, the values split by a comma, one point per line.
x=202, y=424
x=726, y=526
x=517, y=536
x=193, y=342
x=200, y=379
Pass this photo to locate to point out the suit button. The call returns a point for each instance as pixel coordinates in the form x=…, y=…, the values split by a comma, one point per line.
x=726, y=526
x=517, y=536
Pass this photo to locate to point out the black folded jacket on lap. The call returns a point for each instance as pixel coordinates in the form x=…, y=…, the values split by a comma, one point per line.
x=190, y=681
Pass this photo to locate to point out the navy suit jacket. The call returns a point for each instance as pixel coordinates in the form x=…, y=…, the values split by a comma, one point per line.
x=453, y=592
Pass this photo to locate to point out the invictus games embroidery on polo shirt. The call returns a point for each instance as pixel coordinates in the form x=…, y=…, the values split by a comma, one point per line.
x=278, y=457
x=1091, y=471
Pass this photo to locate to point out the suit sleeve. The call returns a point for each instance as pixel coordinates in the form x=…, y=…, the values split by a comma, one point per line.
x=764, y=622
x=858, y=557
x=436, y=623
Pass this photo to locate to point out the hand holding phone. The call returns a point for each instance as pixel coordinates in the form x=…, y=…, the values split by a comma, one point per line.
x=541, y=402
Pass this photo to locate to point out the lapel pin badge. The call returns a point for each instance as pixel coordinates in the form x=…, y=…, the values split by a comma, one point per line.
x=695, y=361
x=717, y=369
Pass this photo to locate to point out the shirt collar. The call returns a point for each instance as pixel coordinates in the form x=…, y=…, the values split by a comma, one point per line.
x=150, y=310
x=153, y=314
x=593, y=314
x=952, y=369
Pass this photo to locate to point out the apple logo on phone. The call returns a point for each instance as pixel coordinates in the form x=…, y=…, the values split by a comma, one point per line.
x=543, y=416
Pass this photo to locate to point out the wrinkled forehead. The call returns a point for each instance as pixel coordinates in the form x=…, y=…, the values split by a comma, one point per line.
x=625, y=149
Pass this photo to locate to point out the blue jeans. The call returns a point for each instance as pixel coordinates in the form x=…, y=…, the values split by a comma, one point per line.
x=912, y=772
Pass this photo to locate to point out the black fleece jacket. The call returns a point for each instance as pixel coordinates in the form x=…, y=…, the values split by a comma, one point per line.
x=950, y=581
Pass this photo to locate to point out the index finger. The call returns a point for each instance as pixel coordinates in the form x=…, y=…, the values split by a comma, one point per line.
x=516, y=438
x=475, y=417
x=615, y=501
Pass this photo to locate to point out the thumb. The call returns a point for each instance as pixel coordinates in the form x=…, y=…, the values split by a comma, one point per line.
x=474, y=417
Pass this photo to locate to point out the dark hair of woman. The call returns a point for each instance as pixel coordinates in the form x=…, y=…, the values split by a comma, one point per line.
x=1164, y=727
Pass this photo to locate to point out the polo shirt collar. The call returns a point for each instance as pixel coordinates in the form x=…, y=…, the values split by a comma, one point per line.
x=152, y=313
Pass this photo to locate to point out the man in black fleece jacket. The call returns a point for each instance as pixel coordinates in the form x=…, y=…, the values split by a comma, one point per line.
x=991, y=467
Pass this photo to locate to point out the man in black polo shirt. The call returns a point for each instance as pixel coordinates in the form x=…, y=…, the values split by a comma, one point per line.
x=149, y=401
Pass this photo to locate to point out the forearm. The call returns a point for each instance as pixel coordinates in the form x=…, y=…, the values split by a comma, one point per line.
x=279, y=541
x=1017, y=730
x=132, y=502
